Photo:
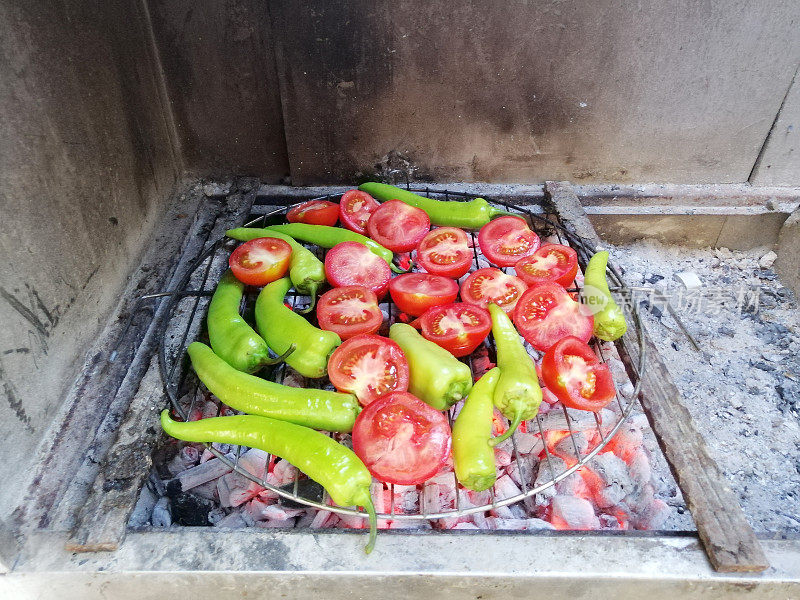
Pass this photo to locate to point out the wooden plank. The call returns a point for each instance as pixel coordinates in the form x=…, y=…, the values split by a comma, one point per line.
x=729, y=541
x=101, y=523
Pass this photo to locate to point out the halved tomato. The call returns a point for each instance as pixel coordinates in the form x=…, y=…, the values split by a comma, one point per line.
x=314, y=212
x=398, y=226
x=368, y=366
x=355, y=207
x=572, y=371
x=505, y=240
x=352, y=263
x=445, y=251
x=551, y=262
x=260, y=261
x=414, y=293
x=492, y=285
x=401, y=439
x=458, y=328
x=349, y=311
x=547, y=313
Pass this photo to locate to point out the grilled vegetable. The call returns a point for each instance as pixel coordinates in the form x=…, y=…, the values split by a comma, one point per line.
x=320, y=409
x=437, y=377
x=572, y=371
x=232, y=339
x=281, y=327
x=333, y=466
x=473, y=457
x=305, y=269
x=260, y=261
x=467, y=215
x=609, y=322
x=518, y=394
x=328, y=237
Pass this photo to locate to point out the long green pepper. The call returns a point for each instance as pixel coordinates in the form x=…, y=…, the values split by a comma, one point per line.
x=609, y=321
x=518, y=394
x=436, y=376
x=335, y=467
x=305, y=270
x=319, y=409
x=281, y=328
x=473, y=456
x=467, y=215
x=232, y=339
x=327, y=237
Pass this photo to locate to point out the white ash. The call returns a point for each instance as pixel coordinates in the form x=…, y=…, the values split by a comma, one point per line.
x=743, y=387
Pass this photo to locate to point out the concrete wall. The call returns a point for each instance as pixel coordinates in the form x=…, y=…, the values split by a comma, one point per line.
x=611, y=90
x=779, y=162
x=86, y=164
x=219, y=68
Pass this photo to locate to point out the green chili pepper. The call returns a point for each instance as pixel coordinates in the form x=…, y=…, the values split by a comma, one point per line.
x=232, y=339
x=437, y=377
x=473, y=457
x=327, y=237
x=609, y=321
x=281, y=327
x=320, y=409
x=517, y=394
x=305, y=270
x=335, y=467
x=467, y=215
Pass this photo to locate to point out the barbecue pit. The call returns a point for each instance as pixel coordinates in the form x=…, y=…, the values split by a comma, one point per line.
x=135, y=133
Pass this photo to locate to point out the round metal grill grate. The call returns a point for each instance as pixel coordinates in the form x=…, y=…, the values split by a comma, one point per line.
x=186, y=316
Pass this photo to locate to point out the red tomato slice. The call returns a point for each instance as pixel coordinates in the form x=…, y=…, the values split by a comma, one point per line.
x=368, y=366
x=398, y=226
x=458, y=328
x=414, y=293
x=314, y=212
x=355, y=207
x=551, y=262
x=505, y=240
x=492, y=285
x=260, y=261
x=352, y=263
x=547, y=313
x=401, y=439
x=572, y=371
x=445, y=251
x=349, y=311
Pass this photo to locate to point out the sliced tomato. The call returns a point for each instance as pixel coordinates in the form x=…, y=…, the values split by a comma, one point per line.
x=458, y=328
x=355, y=207
x=349, y=311
x=398, y=226
x=314, y=212
x=551, y=262
x=260, y=261
x=572, y=371
x=505, y=240
x=492, y=285
x=352, y=263
x=547, y=313
x=414, y=293
x=401, y=439
x=368, y=366
x=445, y=251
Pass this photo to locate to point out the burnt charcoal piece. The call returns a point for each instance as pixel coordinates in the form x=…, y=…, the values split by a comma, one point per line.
x=306, y=488
x=191, y=510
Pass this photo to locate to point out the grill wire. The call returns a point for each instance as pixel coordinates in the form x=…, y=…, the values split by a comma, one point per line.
x=175, y=369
